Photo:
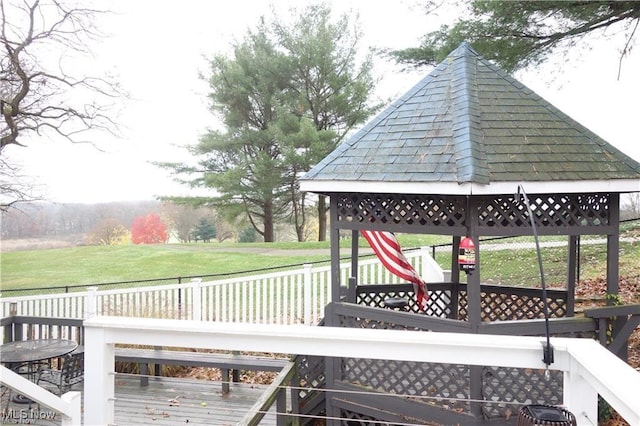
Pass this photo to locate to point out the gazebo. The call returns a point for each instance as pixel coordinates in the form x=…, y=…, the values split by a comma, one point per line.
x=449, y=158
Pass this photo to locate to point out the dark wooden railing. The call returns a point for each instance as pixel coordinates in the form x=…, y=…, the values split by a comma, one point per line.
x=449, y=300
x=615, y=325
x=28, y=328
x=505, y=311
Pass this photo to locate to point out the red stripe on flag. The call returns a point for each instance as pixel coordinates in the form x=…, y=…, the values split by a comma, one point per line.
x=387, y=248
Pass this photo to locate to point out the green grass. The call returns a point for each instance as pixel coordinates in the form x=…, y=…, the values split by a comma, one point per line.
x=103, y=264
x=520, y=266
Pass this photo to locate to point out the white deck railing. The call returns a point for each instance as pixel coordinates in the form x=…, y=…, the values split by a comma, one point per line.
x=68, y=406
x=286, y=297
x=589, y=369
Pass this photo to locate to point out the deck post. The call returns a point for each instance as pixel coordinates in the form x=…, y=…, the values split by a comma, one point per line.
x=91, y=303
x=99, y=396
x=579, y=395
x=308, y=295
x=74, y=399
x=9, y=329
x=196, y=299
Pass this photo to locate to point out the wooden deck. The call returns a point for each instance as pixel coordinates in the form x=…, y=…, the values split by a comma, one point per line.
x=165, y=401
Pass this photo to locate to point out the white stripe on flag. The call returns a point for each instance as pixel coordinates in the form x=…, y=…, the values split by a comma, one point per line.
x=387, y=248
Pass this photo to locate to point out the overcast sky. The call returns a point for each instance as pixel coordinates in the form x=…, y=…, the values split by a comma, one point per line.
x=157, y=51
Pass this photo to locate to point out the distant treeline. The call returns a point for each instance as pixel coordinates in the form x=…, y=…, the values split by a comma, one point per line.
x=46, y=219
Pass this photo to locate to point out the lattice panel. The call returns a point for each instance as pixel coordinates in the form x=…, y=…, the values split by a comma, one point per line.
x=500, y=211
x=401, y=209
x=439, y=304
x=513, y=387
x=549, y=210
x=506, y=307
x=351, y=418
x=441, y=384
x=311, y=376
x=463, y=306
x=376, y=298
x=352, y=322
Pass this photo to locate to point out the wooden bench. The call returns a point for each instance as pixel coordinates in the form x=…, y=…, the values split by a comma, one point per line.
x=225, y=362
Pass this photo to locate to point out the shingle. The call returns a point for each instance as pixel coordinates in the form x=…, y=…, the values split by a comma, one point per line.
x=468, y=121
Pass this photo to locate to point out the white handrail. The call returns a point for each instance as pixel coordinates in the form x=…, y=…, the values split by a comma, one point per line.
x=622, y=395
x=68, y=405
x=585, y=363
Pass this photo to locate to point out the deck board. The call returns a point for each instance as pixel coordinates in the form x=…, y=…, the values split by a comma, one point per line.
x=171, y=401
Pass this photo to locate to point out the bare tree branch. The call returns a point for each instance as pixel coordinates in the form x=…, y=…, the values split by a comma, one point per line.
x=15, y=188
x=42, y=91
x=38, y=97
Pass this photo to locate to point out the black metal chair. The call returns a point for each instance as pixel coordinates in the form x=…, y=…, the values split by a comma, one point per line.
x=70, y=373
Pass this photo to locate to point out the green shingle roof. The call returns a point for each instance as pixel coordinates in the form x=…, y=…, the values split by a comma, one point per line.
x=469, y=126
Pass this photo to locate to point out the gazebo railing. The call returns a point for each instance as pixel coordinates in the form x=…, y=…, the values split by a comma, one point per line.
x=499, y=303
x=447, y=383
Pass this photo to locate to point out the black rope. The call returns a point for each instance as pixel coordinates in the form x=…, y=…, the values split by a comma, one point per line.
x=547, y=351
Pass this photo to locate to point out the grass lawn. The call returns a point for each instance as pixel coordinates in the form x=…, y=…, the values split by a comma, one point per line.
x=103, y=264
x=85, y=265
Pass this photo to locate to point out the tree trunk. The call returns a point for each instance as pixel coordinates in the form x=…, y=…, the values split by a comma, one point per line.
x=268, y=222
x=299, y=213
x=322, y=218
x=300, y=233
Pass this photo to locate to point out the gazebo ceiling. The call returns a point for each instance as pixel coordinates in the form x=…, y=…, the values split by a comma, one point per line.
x=469, y=128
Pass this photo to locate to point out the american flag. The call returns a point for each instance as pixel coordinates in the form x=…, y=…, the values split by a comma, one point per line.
x=386, y=247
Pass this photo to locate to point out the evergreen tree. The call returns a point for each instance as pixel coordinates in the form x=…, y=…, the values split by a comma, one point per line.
x=518, y=34
x=287, y=96
x=247, y=235
x=204, y=230
x=329, y=92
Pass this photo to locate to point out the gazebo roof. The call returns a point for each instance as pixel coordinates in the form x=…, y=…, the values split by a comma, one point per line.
x=470, y=128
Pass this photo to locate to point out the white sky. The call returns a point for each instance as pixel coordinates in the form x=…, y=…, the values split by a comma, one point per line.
x=157, y=49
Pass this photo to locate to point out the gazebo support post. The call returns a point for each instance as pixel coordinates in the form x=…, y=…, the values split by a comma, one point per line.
x=455, y=278
x=474, y=298
x=572, y=270
x=355, y=253
x=613, y=245
x=613, y=257
x=474, y=309
x=332, y=365
x=335, y=252
x=331, y=372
